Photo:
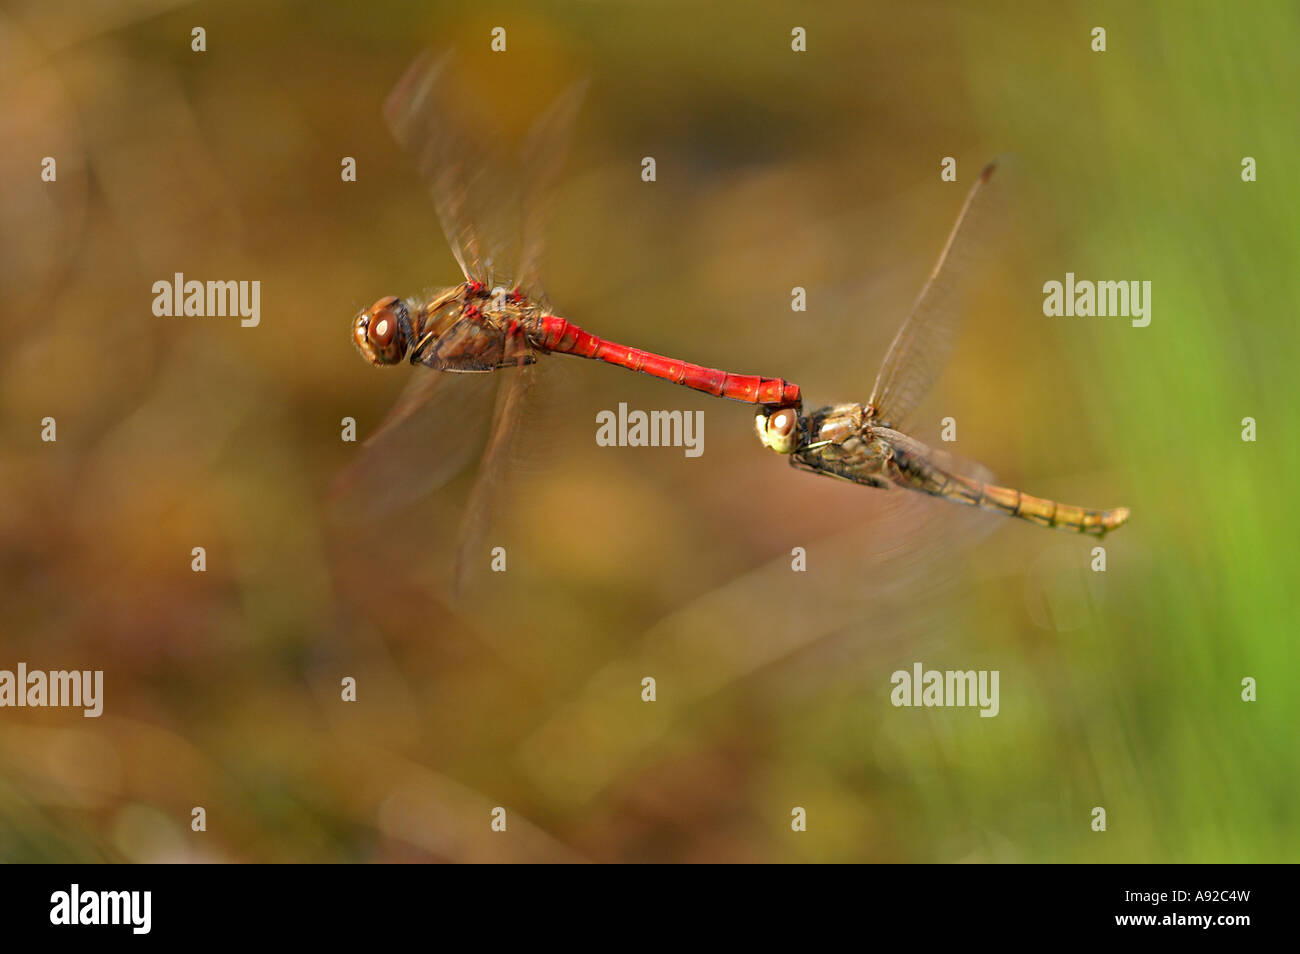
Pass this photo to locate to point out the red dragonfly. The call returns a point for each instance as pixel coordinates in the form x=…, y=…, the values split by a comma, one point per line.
x=498, y=317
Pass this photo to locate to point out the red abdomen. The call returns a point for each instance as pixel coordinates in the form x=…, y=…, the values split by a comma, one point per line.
x=564, y=337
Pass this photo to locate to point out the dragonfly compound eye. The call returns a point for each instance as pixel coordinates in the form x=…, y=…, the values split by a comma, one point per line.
x=381, y=331
x=779, y=430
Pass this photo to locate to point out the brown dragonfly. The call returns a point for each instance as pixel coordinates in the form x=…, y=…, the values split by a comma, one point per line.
x=866, y=443
x=497, y=319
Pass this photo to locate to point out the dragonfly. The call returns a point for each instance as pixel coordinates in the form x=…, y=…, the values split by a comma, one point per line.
x=481, y=324
x=868, y=445
x=497, y=318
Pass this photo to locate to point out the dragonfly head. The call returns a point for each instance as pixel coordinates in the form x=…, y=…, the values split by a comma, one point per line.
x=382, y=333
x=780, y=430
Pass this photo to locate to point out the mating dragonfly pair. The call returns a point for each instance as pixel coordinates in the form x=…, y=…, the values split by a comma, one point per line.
x=498, y=318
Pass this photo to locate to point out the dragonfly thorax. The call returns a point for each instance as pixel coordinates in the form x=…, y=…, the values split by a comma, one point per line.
x=836, y=424
x=392, y=329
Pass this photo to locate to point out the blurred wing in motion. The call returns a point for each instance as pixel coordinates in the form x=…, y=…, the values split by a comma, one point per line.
x=945, y=460
x=433, y=431
x=921, y=348
x=477, y=519
x=485, y=205
x=544, y=152
x=494, y=213
x=476, y=203
x=867, y=588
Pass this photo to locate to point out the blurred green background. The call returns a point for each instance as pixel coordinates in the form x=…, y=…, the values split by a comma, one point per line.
x=775, y=169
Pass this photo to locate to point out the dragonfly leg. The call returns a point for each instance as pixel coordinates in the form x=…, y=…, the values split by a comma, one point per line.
x=858, y=477
x=517, y=351
x=421, y=346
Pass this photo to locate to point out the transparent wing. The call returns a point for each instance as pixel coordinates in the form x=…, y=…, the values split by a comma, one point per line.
x=433, y=431
x=868, y=589
x=494, y=213
x=544, y=152
x=923, y=343
x=485, y=207
x=477, y=519
x=943, y=459
x=457, y=153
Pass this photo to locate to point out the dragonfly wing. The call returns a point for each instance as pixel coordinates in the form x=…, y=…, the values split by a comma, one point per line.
x=544, y=152
x=428, y=114
x=923, y=343
x=426, y=439
x=477, y=518
x=945, y=460
x=870, y=589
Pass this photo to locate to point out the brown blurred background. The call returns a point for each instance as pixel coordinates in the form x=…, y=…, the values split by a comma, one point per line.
x=775, y=169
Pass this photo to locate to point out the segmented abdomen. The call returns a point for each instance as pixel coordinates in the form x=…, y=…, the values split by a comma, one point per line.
x=563, y=337
x=915, y=473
